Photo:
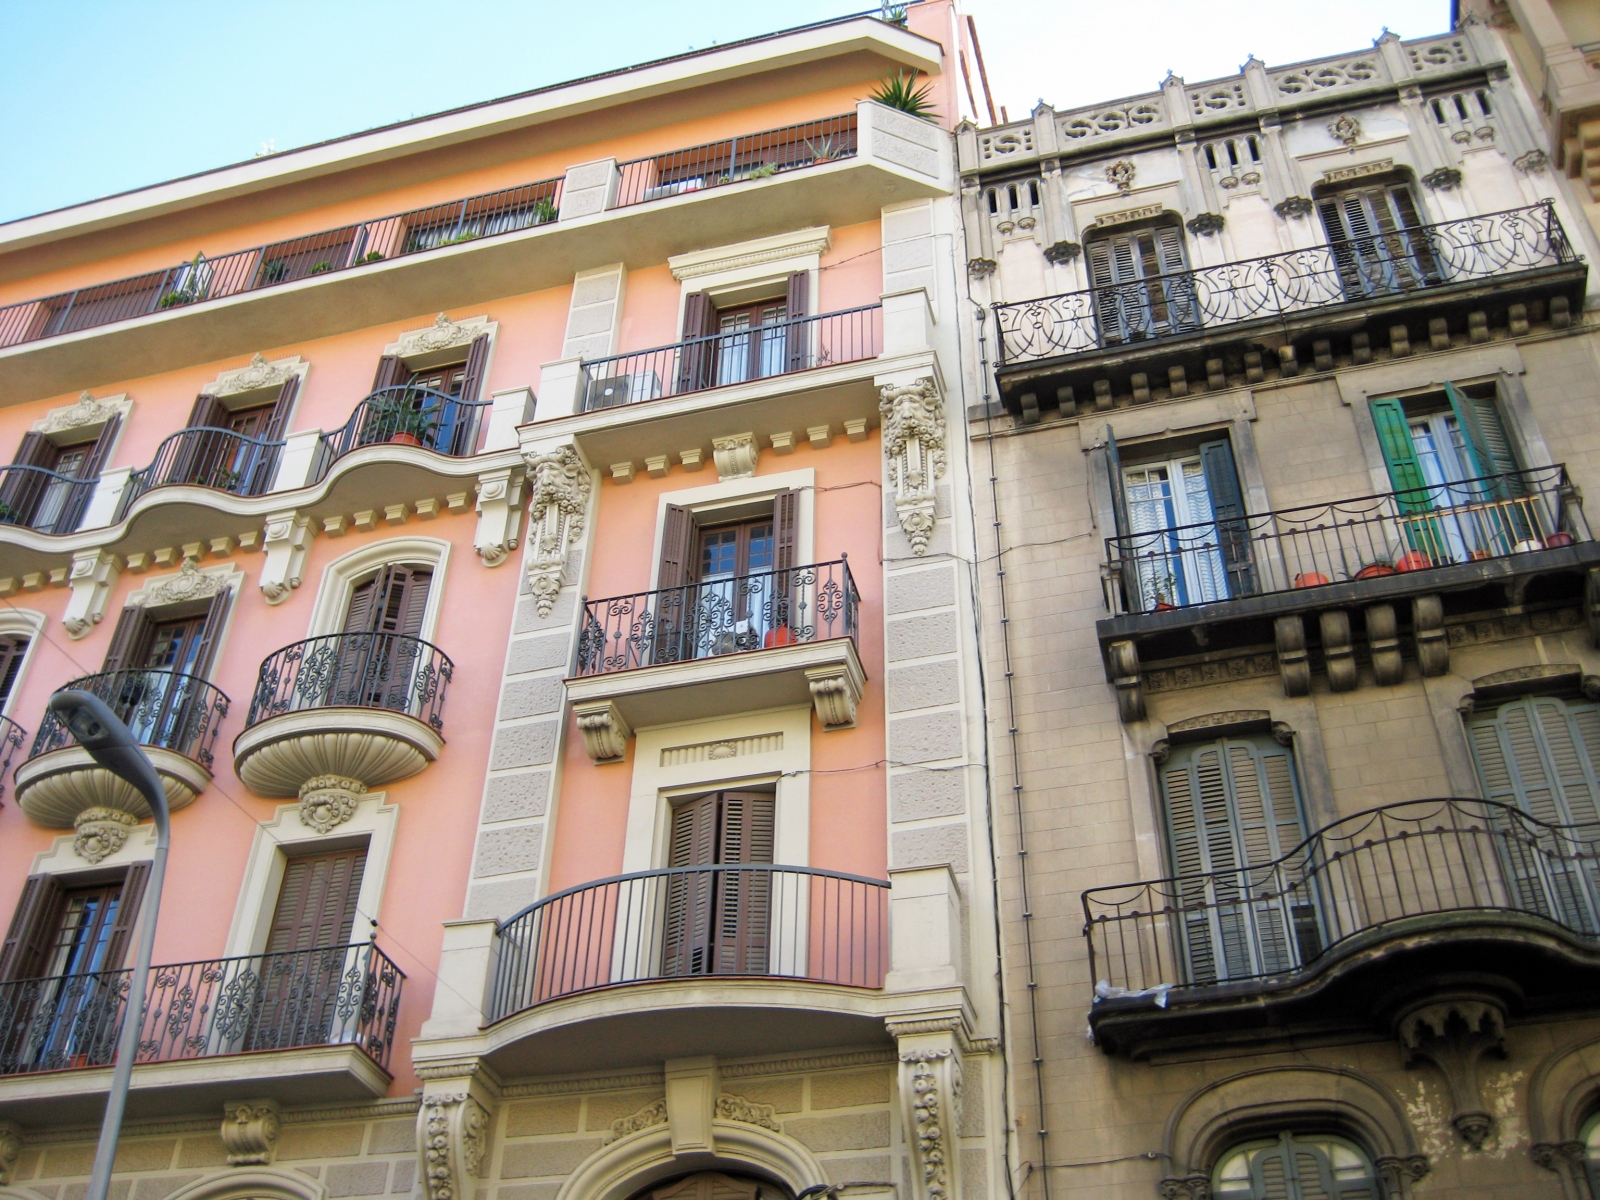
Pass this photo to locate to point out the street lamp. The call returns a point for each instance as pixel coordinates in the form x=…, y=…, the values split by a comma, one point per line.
x=112, y=744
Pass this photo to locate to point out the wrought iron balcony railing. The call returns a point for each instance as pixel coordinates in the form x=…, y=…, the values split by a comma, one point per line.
x=165, y=709
x=1417, y=859
x=1280, y=285
x=720, y=359
x=42, y=500
x=723, y=616
x=1387, y=534
x=408, y=416
x=207, y=457
x=749, y=919
x=12, y=736
x=333, y=996
x=448, y=223
x=355, y=670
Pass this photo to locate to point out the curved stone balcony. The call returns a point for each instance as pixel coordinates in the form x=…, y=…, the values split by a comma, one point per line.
x=333, y=716
x=176, y=718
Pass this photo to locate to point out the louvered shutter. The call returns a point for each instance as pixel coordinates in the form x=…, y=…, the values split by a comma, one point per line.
x=391, y=372
x=12, y=651
x=130, y=641
x=317, y=902
x=35, y=450
x=1227, y=509
x=128, y=905
x=797, y=332
x=21, y=489
x=199, y=449
x=673, y=599
x=94, y=462
x=32, y=928
x=210, y=630
x=687, y=941
x=786, y=524
x=472, y=378
x=744, y=899
x=206, y=413
x=358, y=617
x=399, y=601
x=1349, y=234
x=697, y=362
x=1119, y=516
x=1400, y=455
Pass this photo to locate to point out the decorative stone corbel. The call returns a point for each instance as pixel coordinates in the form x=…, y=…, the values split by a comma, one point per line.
x=1384, y=643
x=101, y=832
x=10, y=1149
x=913, y=444
x=1205, y=224
x=1442, y=180
x=1394, y=1170
x=452, y=1135
x=500, y=516
x=1189, y=1187
x=1293, y=664
x=1062, y=252
x=328, y=801
x=981, y=268
x=835, y=692
x=1532, y=162
x=1427, y=626
x=1455, y=1035
x=92, y=576
x=250, y=1131
x=1294, y=206
x=561, y=485
x=1569, y=1160
x=1338, y=655
x=735, y=456
x=286, y=541
x=605, y=730
x=930, y=1096
x=1124, y=658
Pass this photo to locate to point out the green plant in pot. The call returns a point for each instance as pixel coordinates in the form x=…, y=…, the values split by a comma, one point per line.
x=395, y=418
x=900, y=91
x=274, y=270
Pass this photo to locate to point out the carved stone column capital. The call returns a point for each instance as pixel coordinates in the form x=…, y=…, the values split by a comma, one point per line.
x=452, y=1136
x=914, y=447
x=250, y=1131
x=605, y=730
x=560, y=485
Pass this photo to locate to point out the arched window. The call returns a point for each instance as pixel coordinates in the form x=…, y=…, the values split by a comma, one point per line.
x=1589, y=1135
x=1295, y=1167
x=713, y=1185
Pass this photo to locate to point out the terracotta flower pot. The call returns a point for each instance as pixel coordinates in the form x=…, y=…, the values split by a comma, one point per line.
x=1528, y=544
x=1375, y=571
x=1556, y=540
x=405, y=439
x=781, y=636
x=1163, y=606
x=1311, y=579
x=1412, y=562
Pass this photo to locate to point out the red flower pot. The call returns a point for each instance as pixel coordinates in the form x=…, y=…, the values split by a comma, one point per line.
x=404, y=439
x=1375, y=571
x=1311, y=579
x=1556, y=540
x=1412, y=562
x=781, y=636
x=1163, y=606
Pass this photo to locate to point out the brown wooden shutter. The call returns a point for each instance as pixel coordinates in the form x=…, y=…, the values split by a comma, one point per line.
x=797, y=334
x=317, y=902
x=210, y=630
x=93, y=463
x=358, y=617
x=12, y=651
x=128, y=905
x=697, y=363
x=686, y=948
x=746, y=827
x=130, y=641
x=744, y=898
x=207, y=413
x=472, y=378
x=785, y=524
x=32, y=926
x=391, y=372
x=35, y=450
x=278, y=420
x=673, y=601
x=401, y=600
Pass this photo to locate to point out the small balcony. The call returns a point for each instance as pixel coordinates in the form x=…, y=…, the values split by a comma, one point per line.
x=12, y=736
x=42, y=500
x=218, y=459
x=348, y=711
x=1302, y=309
x=1344, y=928
x=304, y=1026
x=770, y=639
x=175, y=717
x=407, y=416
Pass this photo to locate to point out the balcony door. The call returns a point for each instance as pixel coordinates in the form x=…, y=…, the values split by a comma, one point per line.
x=50, y=505
x=1232, y=811
x=718, y=917
x=155, y=666
x=1541, y=755
x=741, y=340
x=428, y=406
x=1141, y=284
x=377, y=659
x=228, y=448
x=1379, y=246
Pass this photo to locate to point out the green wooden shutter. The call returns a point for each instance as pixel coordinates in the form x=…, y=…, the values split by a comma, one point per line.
x=1227, y=507
x=1399, y=455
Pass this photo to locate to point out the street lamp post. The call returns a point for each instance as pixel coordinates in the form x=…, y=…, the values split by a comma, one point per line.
x=112, y=745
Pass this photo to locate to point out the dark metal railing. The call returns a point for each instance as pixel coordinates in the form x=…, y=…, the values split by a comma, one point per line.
x=412, y=416
x=207, y=457
x=355, y=670
x=1372, y=536
x=717, y=617
x=1279, y=285
x=720, y=359
x=42, y=500
x=748, y=919
x=165, y=709
x=1420, y=858
x=734, y=160
x=12, y=736
x=333, y=996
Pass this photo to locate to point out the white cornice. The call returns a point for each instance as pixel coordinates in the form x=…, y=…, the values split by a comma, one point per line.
x=696, y=263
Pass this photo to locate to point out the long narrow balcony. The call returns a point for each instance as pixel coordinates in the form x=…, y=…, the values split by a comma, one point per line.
x=175, y=717
x=1338, y=933
x=206, y=457
x=765, y=640
x=1347, y=295
x=1294, y=590
x=43, y=500
x=303, y=1026
x=333, y=716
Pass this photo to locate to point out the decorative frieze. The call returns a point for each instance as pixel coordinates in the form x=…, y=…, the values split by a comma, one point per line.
x=189, y=583
x=561, y=485
x=85, y=414
x=930, y=1083
x=1381, y=166
x=101, y=832
x=443, y=334
x=914, y=445
x=652, y=1114
x=250, y=1131
x=748, y=1112
x=258, y=376
x=328, y=801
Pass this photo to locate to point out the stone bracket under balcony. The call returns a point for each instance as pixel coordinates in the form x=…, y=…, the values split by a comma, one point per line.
x=827, y=675
x=59, y=787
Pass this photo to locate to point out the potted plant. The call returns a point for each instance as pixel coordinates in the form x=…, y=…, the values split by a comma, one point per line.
x=1375, y=569
x=1553, y=541
x=1412, y=561
x=900, y=91
x=274, y=270
x=1166, y=590
x=370, y=256
x=1311, y=579
x=406, y=426
x=764, y=171
x=320, y=268
x=823, y=150
x=543, y=211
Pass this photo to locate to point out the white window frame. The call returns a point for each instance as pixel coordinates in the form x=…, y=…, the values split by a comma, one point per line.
x=341, y=577
x=735, y=494
x=29, y=623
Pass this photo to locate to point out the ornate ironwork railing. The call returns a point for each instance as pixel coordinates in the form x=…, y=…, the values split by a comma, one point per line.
x=749, y=919
x=1279, y=285
x=1416, y=859
x=720, y=359
x=207, y=457
x=165, y=709
x=355, y=670
x=1365, y=538
x=12, y=736
x=333, y=996
x=42, y=500
x=722, y=616
x=410, y=416
x=734, y=160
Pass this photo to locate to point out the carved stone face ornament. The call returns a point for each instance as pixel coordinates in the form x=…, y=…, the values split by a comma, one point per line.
x=561, y=487
x=914, y=446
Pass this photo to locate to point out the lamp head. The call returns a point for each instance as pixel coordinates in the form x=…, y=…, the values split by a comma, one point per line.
x=110, y=743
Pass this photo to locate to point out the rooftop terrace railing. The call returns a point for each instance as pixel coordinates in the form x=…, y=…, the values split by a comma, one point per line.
x=734, y=160
x=1162, y=307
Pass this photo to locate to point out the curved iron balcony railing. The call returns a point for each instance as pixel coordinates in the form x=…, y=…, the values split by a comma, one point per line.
x=355, y=670
x=207, y=457
x=1388, y=534
x=334, y=996
x=409, y=416
x=165, y=709
x=1280, y=285
x=744, y=920
x=724, y=616
x=42, y=500
x=720, y=359
x=1420, y=858
x=12, y=736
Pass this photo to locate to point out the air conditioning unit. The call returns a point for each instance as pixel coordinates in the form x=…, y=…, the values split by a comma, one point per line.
x=613, y=390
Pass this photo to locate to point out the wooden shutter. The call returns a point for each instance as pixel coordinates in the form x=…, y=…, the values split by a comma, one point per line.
x=317, y=902
x=1394, y=438
x=401, y=600
x=677, y=547
x=130, y=641
x=12, y=651
x=785, y=528
x=35, y=450
x=93, y=463
x=207, y=413
x=673, y=600
x=796, y=332
x=358, y=617
x=128, y=905
x=21, y=490
x=210, y=630
x=686, y=942
x=697, y=364
x=744, y=898
x=746, y=834
x=32, y=926
x=1227, y=508
x=472, y=378
x=392, y=371
x=278, y=419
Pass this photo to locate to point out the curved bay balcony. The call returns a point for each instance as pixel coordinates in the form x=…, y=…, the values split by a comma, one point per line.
x=41, y=500
x=207, y=457
x=175, y=717
x=343, y=713
x=408, y=416
x=1341, y=931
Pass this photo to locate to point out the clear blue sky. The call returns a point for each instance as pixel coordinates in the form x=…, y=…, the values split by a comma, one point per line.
x=99, y=96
